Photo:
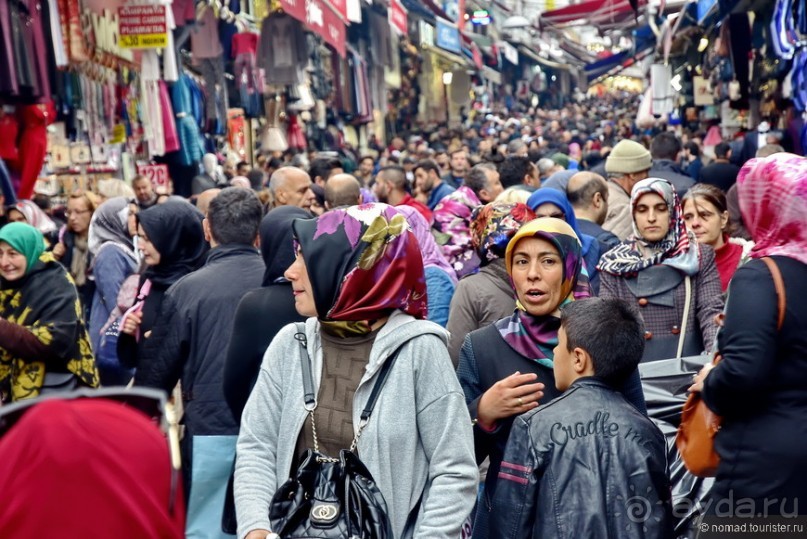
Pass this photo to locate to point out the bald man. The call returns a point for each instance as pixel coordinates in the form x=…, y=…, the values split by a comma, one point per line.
x=205, y=198
x=588, y=194
x=291, y=186
x=342, y=190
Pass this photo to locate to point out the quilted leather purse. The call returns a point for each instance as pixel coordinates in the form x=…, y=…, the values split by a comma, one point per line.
x=331, y=497
x=699, y=425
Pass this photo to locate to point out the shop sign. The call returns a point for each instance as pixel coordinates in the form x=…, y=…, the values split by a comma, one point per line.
x=321, y=19
x=157, y=174
x=142, y=27
x=397, y=17
x=426, y=34
x=448, y=37
x=340, y=7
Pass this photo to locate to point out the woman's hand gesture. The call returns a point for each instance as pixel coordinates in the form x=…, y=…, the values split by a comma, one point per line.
x=510, y=396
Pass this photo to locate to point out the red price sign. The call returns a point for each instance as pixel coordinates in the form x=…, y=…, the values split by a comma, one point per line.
x=157, y=174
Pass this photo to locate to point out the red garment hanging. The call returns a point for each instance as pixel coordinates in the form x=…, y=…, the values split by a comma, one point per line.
x=34, y=120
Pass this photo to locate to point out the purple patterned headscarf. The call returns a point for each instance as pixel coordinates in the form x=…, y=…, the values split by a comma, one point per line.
x=432, y=256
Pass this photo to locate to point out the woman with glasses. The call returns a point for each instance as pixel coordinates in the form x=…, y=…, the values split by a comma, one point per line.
x=72, y=249
x=42, y=335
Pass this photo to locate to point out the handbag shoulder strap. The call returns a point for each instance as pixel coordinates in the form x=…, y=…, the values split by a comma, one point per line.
x=685, y=318
x=780, y=290
x=308, y=380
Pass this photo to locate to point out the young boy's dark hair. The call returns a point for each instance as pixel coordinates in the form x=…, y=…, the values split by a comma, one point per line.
x=610, y=330
x=575, y=466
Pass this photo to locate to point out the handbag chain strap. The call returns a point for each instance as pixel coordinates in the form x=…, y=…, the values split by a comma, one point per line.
x=309, y=393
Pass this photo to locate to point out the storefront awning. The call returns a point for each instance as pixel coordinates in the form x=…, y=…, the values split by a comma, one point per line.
x=492, y=75
x=543, y=61
x=598, y=13
x=645, y=42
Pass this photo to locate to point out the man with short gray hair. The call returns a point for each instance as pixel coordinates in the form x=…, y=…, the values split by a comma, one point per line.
x=291, y=186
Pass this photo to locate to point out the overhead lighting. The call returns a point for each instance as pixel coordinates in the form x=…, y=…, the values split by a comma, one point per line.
x=704, y=42
x=448, y=77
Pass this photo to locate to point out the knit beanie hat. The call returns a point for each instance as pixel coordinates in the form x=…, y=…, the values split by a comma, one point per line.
x=628, y=157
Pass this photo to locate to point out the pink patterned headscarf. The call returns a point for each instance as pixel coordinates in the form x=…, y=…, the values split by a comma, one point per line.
x=773, y=200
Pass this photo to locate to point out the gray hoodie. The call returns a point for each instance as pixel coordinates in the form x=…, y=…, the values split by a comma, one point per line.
x=418, y=444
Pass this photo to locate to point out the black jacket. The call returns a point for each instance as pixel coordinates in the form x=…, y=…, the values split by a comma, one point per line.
x=191, y=333
x=760, y=389
x=588, y=464
x=260, y=315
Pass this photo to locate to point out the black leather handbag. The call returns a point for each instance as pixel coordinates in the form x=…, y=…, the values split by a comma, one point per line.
x=331, y=497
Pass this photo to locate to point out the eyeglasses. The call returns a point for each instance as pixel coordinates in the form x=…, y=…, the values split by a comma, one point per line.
x=151, y=402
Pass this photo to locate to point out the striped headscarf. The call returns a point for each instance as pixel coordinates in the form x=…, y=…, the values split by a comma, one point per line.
x=678, y=248
x=535, y=337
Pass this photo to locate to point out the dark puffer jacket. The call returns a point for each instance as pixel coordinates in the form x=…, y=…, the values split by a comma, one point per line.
x=191, y=333
x=588, y=464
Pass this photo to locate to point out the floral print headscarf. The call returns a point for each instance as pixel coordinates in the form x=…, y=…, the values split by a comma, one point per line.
x=363, y=263
x=494, y=224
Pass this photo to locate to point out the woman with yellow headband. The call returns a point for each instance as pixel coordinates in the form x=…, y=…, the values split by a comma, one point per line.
x=506, y=368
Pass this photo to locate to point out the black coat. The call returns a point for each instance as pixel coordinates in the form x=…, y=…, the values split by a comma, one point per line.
x=191, y=334
x=575, y=467
x=260, y=315
x=760, y=389
x=129, y=348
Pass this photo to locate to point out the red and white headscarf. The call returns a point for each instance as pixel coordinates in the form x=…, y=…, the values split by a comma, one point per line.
x=773, y=201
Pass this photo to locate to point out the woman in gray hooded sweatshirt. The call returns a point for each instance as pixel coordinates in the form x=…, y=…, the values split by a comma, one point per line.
x=359, y=276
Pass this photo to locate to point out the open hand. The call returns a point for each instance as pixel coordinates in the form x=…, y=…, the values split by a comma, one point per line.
x=509, y=396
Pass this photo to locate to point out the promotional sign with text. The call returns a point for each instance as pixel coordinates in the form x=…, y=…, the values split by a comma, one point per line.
x=142, y=27
x=157, y=174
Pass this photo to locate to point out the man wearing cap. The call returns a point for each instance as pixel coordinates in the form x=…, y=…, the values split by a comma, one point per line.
x=627, y=164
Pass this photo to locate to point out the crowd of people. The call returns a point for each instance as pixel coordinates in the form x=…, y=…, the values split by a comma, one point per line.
x=517, y=272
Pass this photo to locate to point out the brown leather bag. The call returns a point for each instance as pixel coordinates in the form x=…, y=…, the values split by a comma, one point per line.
x=699, y=425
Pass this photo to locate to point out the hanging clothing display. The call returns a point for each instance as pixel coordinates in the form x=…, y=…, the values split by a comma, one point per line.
x=191, y=148
x=282, y=50
x=207, y=54
x=33, y=144
x=150, y=109
x=248, y=77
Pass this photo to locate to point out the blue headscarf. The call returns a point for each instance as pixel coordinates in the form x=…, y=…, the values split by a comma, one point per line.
x=559, y=199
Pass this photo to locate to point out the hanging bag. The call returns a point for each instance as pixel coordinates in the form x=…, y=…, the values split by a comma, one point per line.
x=699, y=425
x=331, y=497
